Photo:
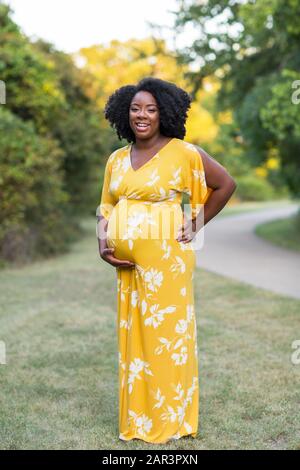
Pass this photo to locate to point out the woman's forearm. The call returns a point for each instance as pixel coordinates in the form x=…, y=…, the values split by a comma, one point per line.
x=102, y=232
x=215, y=203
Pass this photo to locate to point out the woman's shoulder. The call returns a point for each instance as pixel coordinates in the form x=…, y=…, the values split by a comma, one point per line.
x=188, y=150
x=186, y=145
x=117, y=153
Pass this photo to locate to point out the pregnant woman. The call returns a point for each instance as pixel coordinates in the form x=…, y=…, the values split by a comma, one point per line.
x=144, y=233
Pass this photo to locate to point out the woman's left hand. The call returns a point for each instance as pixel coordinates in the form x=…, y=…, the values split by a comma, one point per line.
x=187, y=231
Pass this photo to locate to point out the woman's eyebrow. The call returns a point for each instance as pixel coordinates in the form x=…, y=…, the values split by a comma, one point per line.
x=150, y=104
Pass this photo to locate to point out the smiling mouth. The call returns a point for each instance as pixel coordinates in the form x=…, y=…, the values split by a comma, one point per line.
x=141, y=125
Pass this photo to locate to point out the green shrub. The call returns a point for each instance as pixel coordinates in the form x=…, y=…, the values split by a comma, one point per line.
x=253, y=188
x=297, y=220
x=33, y=204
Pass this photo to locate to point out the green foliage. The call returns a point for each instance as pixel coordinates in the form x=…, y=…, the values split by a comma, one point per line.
x=50, y=145
x=30, y=79
x=281, y=116
x=281, y=113
x=32, y=203
x=297, y=220
x=45, y=86
x=252, y=188
x=229, y=151
x=77, y=129
x=255, y=51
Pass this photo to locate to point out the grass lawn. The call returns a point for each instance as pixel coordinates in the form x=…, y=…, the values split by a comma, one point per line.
x=282, y=232
x=59, y=386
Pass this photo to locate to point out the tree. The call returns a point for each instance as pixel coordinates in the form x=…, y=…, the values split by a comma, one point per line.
x=253, y=46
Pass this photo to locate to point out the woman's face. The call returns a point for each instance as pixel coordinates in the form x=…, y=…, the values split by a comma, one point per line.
x=144, y=115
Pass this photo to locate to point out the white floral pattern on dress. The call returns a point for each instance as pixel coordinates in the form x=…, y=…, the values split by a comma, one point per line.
x=136, y=366
x=179, y=340
x=157, y=315
x=153, y=279
x=142, y=423
x=176, y=412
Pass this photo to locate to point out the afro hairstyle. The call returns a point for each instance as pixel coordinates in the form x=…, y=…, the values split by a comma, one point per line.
x=173, y=103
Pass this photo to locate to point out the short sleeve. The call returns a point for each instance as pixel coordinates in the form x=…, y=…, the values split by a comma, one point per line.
x=107, y=200
x=198, y=190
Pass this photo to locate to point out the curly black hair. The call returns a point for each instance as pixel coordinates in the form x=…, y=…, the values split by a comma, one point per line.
x=173, y=103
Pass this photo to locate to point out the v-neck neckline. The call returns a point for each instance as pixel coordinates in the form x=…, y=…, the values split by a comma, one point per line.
x=150, y=159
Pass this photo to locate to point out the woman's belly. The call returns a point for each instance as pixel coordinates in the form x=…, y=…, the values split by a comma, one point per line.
x=143, y=231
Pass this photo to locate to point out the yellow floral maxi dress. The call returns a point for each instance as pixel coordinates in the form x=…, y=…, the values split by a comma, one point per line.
x=156, y=323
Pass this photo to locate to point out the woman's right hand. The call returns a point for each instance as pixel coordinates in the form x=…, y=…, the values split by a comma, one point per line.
x=106, y=252
x=108, y=256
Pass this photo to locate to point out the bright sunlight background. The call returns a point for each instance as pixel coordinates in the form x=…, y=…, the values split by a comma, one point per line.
x=73, y=25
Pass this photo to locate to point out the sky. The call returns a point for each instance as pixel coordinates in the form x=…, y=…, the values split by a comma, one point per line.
x=72, y=24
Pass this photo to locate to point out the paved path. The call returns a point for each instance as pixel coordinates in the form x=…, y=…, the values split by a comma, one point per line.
x=231, y=248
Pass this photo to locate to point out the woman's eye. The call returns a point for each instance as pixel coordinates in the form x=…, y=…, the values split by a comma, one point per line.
x=151, y=110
